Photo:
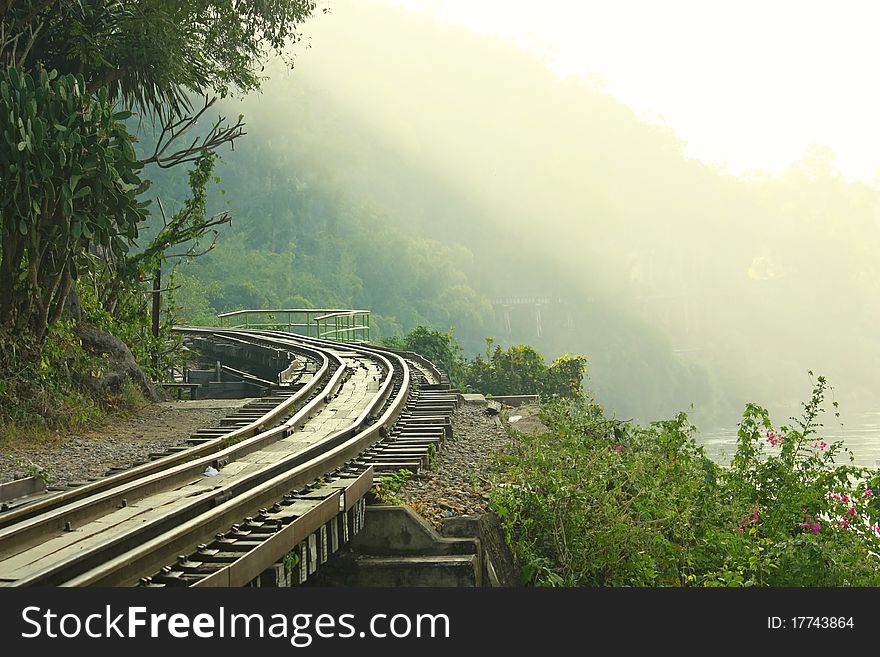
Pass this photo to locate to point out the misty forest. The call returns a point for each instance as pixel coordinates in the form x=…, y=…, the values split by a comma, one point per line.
x=703, y=333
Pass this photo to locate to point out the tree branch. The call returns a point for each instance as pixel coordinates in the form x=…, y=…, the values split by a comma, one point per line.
x=30, y=44
x=175, y=128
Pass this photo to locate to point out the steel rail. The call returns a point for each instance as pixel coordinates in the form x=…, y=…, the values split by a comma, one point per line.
x=41, y=507
x=176, y=472
x=282, y=337
x=276, y=546
x=137, y=551
x=425, y=365
x=306, y=467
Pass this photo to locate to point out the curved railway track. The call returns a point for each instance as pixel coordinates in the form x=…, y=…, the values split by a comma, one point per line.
x=286, y=486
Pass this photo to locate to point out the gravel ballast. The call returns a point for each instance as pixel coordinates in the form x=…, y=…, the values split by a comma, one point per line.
x=120, y=442
x=458, y=481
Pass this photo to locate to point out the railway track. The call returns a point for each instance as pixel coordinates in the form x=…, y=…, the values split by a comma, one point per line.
x=278, y=490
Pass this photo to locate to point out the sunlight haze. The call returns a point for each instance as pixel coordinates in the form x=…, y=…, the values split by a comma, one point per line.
x=747, y=85
x=688, y=192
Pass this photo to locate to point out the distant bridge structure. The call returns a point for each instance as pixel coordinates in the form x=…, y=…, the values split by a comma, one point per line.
x=678, y=315
x=506, y=307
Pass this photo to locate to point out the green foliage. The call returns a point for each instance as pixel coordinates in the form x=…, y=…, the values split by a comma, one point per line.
x=70, y=172
x=292, y=561
x=385, y=490
x=440, y=347
x=151, y=53
x=194, y=298
x=521, y=370
x=131, y=322
x=186, y=227
x=597, y=502
x=517, y=370
x=28, y=468
x=41, y=395
x=308, y=249
x=818, y=518
x=118, y=297
x=73, y=181
x=432, y=457
x=42, y=391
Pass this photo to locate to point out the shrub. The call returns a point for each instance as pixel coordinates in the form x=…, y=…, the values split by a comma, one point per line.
x=598, y=502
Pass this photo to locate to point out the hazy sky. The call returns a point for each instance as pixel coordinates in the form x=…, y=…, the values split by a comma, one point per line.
x=747, y=84
x=429, y=117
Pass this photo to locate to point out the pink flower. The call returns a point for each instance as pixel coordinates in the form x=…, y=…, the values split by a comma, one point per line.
x=851, y=511
x=745, y=521
x=774, y=438
x=812, y=526
x=868, y=492
x=618, y=448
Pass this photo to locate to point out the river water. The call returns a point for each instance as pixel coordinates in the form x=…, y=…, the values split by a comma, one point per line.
x=860, y=433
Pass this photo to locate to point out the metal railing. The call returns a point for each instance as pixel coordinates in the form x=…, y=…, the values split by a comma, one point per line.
x=331, y=323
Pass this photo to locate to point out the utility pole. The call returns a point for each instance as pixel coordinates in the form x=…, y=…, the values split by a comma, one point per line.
x=157, y=285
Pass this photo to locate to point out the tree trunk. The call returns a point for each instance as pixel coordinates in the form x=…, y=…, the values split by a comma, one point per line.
x=10, y=266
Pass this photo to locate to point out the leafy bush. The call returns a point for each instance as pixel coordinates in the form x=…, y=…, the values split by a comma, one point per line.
x=598, y=502
x=440, y=347
x=517, y=370
x=40, y=395
x=521, y=370
x=817, y=521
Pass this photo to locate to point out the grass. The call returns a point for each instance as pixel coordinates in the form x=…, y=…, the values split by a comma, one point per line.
x=386, y=491
x=47, y=417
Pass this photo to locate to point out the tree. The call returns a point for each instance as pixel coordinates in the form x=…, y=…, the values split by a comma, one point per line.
x=152, y=54
x=439, y=347
x=565, y=377
x=520, y=369
x=69, y=172
x=71, y=182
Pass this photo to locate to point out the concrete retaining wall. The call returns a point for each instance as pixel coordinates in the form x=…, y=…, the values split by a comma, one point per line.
x=396, y=547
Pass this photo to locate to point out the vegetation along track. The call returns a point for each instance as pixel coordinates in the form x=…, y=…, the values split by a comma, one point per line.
x=288, y=484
